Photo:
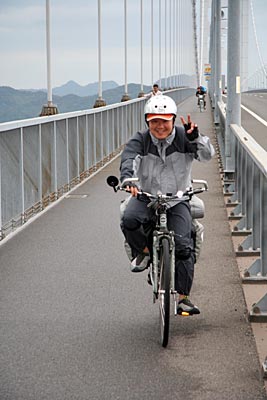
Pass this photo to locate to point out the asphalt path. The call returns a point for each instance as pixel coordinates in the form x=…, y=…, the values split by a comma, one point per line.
x=76, y=324
x=257, y=103
x=254, y=105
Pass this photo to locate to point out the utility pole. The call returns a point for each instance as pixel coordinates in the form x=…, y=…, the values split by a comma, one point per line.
x=233, y=111
x=218, y=73
x=125, y=97
x=49, y=108
x=195, y=40
x=99, y=101
x=141, y=93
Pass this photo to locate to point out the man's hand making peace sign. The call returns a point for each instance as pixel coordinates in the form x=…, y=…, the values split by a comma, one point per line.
x=191, y=129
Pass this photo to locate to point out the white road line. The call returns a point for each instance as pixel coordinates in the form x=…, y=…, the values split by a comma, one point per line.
x=255, y=115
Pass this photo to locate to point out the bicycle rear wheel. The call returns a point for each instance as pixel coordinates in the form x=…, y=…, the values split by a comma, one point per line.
x=164, y=292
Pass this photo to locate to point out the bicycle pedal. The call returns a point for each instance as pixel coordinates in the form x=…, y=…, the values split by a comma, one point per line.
x=185, y=314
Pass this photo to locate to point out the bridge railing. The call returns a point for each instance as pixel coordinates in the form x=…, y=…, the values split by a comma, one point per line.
x=247, y=195
x=43, y=158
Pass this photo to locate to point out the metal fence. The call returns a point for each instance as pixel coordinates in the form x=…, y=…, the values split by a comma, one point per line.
x=248, y=196
x=43, y=158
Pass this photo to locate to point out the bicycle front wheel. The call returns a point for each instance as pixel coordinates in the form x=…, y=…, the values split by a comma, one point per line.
x=164, y=291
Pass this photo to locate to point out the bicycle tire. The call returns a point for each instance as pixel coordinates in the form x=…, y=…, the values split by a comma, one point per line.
x=164, y=291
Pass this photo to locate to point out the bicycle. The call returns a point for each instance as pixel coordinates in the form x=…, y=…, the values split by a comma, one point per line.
x=201, y=102
x=162, y=268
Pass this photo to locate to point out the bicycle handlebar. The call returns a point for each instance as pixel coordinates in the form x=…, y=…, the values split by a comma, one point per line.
x=180, y=195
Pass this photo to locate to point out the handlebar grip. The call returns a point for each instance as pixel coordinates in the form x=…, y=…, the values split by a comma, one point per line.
x=200, y=190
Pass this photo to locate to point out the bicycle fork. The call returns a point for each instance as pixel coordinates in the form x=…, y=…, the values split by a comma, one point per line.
x=172, y=266
x=154, y=273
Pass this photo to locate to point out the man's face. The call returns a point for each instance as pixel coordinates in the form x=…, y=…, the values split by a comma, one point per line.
x=160, y=128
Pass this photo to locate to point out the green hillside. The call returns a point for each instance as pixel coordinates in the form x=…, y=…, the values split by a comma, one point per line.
x=22, y=104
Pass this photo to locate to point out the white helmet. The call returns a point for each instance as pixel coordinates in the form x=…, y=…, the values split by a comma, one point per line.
x=162, y=107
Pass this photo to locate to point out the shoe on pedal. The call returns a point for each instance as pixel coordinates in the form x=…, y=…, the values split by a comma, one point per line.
x=185, y=306
x=140, y=263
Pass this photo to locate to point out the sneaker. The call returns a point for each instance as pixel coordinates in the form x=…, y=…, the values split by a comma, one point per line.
x=186, y=306
x=140, y=263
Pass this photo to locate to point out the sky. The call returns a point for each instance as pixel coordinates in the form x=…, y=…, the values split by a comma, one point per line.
x=74, y=41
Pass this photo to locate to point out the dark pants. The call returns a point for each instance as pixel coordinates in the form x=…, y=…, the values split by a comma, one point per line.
x=136, y=224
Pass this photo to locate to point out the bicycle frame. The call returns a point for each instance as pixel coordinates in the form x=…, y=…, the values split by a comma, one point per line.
x=161, y=231
x=201, y=102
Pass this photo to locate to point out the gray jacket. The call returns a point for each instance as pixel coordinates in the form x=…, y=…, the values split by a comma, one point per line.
x=163, y=165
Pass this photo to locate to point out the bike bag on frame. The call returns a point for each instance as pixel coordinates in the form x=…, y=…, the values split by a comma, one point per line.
x=197, y=207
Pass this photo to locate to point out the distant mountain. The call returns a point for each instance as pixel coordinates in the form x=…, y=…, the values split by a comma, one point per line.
x=73, y=87
x=22, y=104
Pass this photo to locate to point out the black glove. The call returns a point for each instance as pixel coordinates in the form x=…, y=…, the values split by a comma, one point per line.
x=193, y=135
x=130, y=184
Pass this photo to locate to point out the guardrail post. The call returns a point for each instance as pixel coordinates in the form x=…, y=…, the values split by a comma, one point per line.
x=54, y=159
x=245, y=206
x=257, y=272
x=1, y=231
x=21, y=167
x=264, y=369
x=78, y=149
x=67, y=154
x=40, y=174
x=259, y=311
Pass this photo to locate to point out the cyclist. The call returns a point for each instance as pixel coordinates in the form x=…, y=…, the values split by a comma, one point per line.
x=155, y=91
x=161, y=157
x=201, y=90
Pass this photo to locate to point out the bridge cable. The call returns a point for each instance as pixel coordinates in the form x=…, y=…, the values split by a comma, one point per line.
x=201, y=39
x=195, y=40
x=256, y=38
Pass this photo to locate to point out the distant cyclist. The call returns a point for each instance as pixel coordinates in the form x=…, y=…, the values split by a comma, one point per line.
x=201, y=90
x=155, y=91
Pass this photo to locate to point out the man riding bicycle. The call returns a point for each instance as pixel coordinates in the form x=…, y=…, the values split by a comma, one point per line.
x=161, y=157
x=201, y=90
